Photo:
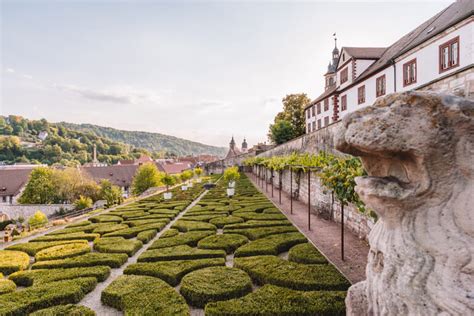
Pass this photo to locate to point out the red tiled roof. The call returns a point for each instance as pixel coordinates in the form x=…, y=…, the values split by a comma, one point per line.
x=365, y=52
x=120, y=175
x=13, y=180
x=175, y=167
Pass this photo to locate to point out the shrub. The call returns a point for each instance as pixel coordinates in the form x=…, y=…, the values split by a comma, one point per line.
x=185, y=226
x=104, y=229
x=84, y=229
x=140, y=222
x=83, y=202
x=134, y=231
x=46, y=295
x=172, y=271
x=306, y=253
x=227, y=242
x=278, y=301
x=169, y=233
x=71, y=236
x=276, y=271
x=12, y=261
x=255, y=233
x=189, y=238
x=105, y=219
x=226, y=220
x=113, y=260
x=257, y=224
x=214, y=284
x=182, y=252
x=62, y=251
x=118, y=245
x=132, y=214
x=164, y=211
x=201, y=217
x=70, y=310
x=6, y=286
x=144, y=295
x=270, y=245
x=147, y=235
x=36, y=277
x=32, y=248
x=231, y=174
x=38, y=220
x=81, y=223
x=259, y=216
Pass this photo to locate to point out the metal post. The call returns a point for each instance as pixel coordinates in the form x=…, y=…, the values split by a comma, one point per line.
x=309, y=199
x=279, y=185
x=291, y=191
x=342, y=231
x=271, y=177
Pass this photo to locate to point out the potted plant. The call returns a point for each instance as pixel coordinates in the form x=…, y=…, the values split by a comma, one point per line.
x=185, y=176
x=231, y=175
x=198, y=173
x=168, y=181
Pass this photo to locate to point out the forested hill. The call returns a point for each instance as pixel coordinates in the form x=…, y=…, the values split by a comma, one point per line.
x=154, y=142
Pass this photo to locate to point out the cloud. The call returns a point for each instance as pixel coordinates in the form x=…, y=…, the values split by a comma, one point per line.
x=27, y=76
x=10, y=70
x=121, y=95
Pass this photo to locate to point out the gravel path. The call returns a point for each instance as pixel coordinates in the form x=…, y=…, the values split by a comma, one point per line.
x=325, y=235
x=92, y=300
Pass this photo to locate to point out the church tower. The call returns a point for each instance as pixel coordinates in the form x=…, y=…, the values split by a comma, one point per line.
x=232, y=143
x=330, y=75
x=244, y=146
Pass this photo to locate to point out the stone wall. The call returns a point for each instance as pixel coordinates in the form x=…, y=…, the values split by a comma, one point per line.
x=460, y=84
x=16, y=210
x=321, y=200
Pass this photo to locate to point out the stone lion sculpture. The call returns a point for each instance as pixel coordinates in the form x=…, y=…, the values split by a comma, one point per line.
x=418, y=150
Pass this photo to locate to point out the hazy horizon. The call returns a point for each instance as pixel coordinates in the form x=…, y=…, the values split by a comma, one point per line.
x=202, y=71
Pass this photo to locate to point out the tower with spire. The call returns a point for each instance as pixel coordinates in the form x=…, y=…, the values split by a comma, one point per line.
x=244, y=146
x=233, y=150
x=330, y=75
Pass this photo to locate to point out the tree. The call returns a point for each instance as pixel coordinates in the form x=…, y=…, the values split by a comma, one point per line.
x=231, y=174
x=168, y=180
x=40, y=188
x=111, y=193
x=83, y=202
x=198, y=172
x=37, y=220
x=281, y=132
x=147, y=176
x=293, y=112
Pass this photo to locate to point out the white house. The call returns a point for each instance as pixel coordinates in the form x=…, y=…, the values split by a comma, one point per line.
x=437, y=55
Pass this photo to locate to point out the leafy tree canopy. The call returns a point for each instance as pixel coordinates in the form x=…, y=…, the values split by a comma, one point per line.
x=147, y=176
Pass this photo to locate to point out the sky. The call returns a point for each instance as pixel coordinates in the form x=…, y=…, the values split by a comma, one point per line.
x=199, y=70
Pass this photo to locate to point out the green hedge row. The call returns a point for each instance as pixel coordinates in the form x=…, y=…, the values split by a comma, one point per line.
x=32, y=248
x=271, y=300
x=183, y=252
x=12, y=261
x=276, y=271
x=141, y=222
x=45, y=295
x=260, y=217
x=81, y=223
x=117, y=245
x=221, y=221
x=144, y=295
x=6, y=285
x=172, y=271
x=227, y=242
x=170, y=233
x=113, y=260
x=214, y=284
x=306, y=253
x=62, y=251
x=106, y=219
x=147, y=235
x=256, y=233
x=271, y=245
x=190, y=238
x=134, y=231
x=37, y=277
x=72, y=236
x=258, y=224
x=65, y=310
x=185, y=226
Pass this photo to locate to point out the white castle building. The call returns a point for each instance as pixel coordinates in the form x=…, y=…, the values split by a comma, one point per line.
x=437, y=55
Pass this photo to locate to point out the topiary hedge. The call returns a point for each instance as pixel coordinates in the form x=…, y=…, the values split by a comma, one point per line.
x=227, y=242
x=258, y=224
x=183, y=252
x=32, y=248
x=189, y=238
x=104, y=229
x=271, y=245
x=81, y=223
x=276, y=271
x=36, y=277
x=62, y=251
x=106, y=219
x=45, y=295
x=272, y=300
x=134, y=231
x=117, y=245
x=72, y=236
x=226, y=220
x=144, y=295
x=6, y=285
x=12, y=261
x=256, y=233
x=147, y=235
x=140, y=222
x=306, y=253
x=214, y=284
x=63, y=310
x=170, y=233
x=172, y=271
x=185, y=226
x=113, y=260
x=257, y=216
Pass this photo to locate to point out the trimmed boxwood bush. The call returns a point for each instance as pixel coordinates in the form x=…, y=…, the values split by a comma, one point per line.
x=227, y=242
x=147, y=235
x=226, y=220
x=182, y=252
x=256, y=216
x=45, y=295
x=255, y=233
x=62, y=251
x=106, y=219
x=185, y=226
x=63, y=310
x=144, y=295
x=12, y=261
x=271, y=245
x=172, y=271
x=36, y=277
x=104, y=229
x=164, y=211
x=79, y=229
x=276, y=271
x=118, y=245
x=129, y=215
x=201, y=218
x=270, y=300
x=32, y=248
x=113, y=260
x=214, y=284
x=140, y=222
x=306, y=253
x=6, y=285
x=189, y=238
x=134, y=231
x=73, y=236
x=170, y=233
x=81, y=223
x=258, y=224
